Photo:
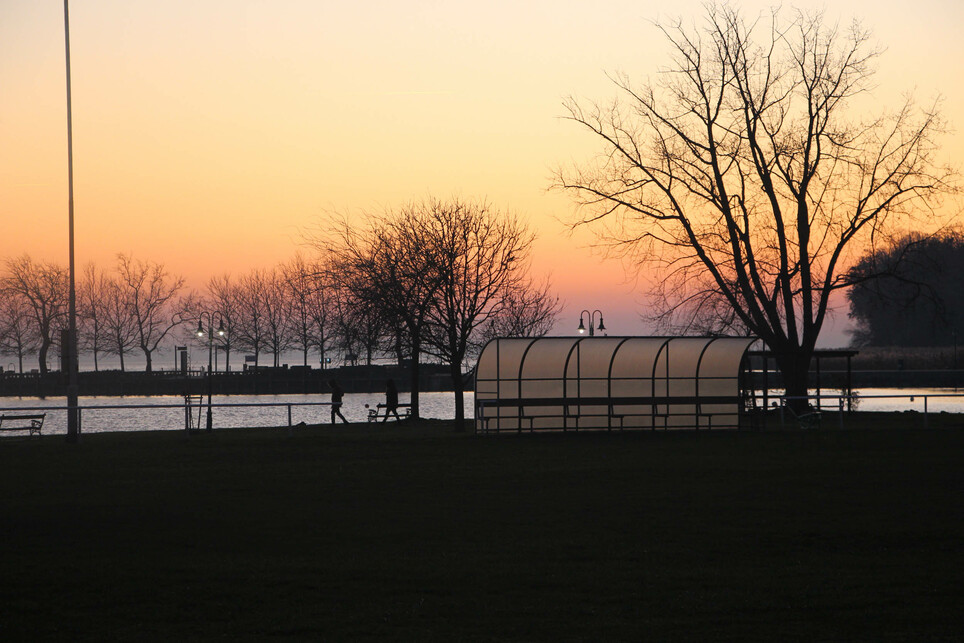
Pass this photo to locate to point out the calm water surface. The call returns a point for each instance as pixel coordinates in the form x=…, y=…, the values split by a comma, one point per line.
x=433, y=405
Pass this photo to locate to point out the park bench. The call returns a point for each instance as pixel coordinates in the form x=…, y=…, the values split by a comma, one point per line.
x=33, y=423
x=380, y=412
x=653, y=409
x=810, y=420
x=532, y=412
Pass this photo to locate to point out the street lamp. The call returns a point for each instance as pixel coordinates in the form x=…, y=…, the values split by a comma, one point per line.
x=210, y=334
x=592, y=317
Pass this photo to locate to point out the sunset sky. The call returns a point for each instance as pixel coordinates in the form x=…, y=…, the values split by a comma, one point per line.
x=210, y=134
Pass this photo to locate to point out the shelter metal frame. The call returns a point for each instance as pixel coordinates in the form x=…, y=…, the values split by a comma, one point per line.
x=605, y=383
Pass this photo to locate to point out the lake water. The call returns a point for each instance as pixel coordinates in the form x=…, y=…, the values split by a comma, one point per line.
x=272, y=410
x=245, y=410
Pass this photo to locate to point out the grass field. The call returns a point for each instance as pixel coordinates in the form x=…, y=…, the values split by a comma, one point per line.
x=415, y=532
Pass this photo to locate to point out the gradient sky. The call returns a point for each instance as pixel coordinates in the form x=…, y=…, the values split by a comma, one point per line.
x=209, y=134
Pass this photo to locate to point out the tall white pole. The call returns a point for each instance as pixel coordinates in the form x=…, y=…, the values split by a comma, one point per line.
x=73, y=424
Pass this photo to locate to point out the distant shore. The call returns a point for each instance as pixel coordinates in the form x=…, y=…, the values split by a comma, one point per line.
x=251, y=381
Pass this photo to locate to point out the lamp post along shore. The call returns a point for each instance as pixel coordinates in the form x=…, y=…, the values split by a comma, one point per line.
x=210, y=334
x=592, y=317
x=73, y=416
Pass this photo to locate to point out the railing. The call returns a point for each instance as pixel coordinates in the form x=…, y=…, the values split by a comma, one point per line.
x=841, y=402
x=607, y=412
x=925, y=401
x=838, y=404
x=183, y=406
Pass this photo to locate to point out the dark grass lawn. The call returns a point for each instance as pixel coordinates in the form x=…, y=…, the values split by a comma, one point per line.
x=414, y=532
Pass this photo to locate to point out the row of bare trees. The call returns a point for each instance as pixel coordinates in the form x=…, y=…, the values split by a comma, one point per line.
x=435, y=278
x=136, y=306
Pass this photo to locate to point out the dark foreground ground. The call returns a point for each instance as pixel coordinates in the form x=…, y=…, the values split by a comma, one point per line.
x=418, y=533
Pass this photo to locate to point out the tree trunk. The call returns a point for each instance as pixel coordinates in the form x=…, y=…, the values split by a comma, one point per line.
x=795, y=368
x=455, y=371
x=416, y=349
x=147, y=356
x=42, y=356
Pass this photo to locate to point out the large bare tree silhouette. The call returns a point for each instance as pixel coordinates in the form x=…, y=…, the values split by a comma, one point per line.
x=749, y=174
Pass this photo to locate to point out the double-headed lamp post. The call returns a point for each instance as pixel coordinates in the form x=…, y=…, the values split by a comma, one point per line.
x=592, y=319
x=210, y=334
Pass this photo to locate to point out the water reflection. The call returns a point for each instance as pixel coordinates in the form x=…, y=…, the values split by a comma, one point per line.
x=433, y=405
x=246, y=414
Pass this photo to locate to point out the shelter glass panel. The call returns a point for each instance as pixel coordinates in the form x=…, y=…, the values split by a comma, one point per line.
x=609, y=382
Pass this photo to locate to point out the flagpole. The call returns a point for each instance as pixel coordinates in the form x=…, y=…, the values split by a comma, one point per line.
x=73, y=424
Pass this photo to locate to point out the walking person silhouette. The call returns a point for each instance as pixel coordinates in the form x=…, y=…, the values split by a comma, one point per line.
x=391, y=400
x=336, y=399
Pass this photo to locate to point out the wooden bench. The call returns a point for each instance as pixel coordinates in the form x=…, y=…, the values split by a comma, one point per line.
x=380, y=411
x=566, y=417
x=33, y=423
x=570, y=419
x=809, y=420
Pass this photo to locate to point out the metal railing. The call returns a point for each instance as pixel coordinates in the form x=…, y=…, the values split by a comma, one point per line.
x=185, y=406
x=924, y=399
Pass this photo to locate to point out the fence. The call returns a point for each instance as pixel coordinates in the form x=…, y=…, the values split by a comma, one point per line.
x=924, y=403
x=190, y=404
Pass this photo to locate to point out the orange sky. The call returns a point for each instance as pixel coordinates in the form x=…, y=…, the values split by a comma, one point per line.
x=208, y=135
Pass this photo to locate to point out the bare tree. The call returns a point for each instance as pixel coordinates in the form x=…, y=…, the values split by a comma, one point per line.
x=529, y=310
x=384, y=264
x=355, y=324
x=252, y=315
x=43, y=286
x=223, y=299
x=151, y=295
x=343, y=319
x=18, y=332
x=119, y=323
x=481, y=257
x=368, y=323
x=741, y=176
x=92, y=301
x=278, y=311
x=321, y=317
x=430, y=275
x=306, y=291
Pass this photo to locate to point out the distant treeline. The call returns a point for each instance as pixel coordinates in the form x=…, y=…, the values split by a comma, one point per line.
x=251, y=381
x=910, y=293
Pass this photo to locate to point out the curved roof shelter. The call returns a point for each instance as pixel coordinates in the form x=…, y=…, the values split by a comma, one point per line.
x=563, y=383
